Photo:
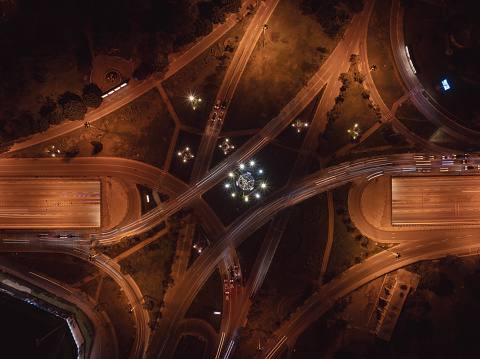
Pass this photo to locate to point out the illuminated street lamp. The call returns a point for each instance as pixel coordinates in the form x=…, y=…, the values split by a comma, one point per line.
x=194, y=101
x=226, y=146
x=246, y=181
x=264, y=27
x=355, y=131
x=53, y=151
x=299, y=125
x=186, y=154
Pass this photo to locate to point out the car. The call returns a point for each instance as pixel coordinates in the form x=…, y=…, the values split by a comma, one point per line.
x=225, y=284
x=469, y=167
x=466, y=162
x=232, y=273
x=235, y=268
x=232, y=283
x=220, y=118
x=214, y=116
x=449, y=157
x=227, y=295
x=224, y=104
x=217, y=105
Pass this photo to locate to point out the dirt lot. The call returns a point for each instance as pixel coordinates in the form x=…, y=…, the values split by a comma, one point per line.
x=276, y=72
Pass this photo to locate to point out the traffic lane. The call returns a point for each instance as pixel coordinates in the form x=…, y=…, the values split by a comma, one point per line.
x=361, y=274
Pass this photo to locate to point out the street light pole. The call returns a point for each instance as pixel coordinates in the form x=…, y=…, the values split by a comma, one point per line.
x=265, y=27
x=88, y=125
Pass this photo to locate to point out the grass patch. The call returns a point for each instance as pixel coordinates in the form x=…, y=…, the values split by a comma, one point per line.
x=128, y=242
x=409, y=115
x=178, y=168
x=386, y=78
x=350, y=109
x=384, y=141
x=276, y=163
x=293, y=136
x=275, y=73
x=208, y=299
x=293, y=273
x=190, y=347
x=349, y=246
x=151, y=268
x=248, y=250
x=115, y=304
x=141, y=130
x=203, y=77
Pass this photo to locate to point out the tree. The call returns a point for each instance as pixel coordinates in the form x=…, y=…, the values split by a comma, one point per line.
x=231, y=5
x=354, y=59
x=143, y=70
x=73, y=106
x=92, y=95
x=217, y=16
x=97, y=147
x=365, y=94
x=203, y=27
x=359, y=77
x=75, y=110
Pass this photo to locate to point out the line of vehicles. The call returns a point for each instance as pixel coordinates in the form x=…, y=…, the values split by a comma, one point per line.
x=60, y=235
x=235, y=278
x=218, y=110
x=468, y=161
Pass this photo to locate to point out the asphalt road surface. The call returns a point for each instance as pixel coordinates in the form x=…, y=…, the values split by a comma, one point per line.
x=434, y=200
x=49, y=203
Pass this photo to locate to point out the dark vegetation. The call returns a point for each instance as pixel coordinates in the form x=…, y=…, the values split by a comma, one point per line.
x=349, y=246
x=386, y=77
x=333, y=15
x=352, y=106
x=444, y=42
x=113, y=300
x=151, y=268
x=128, y=242
x=47, y=50
x=438, y=320
x=293, y=274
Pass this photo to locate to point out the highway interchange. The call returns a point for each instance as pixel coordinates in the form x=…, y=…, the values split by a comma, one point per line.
x=221, y=252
